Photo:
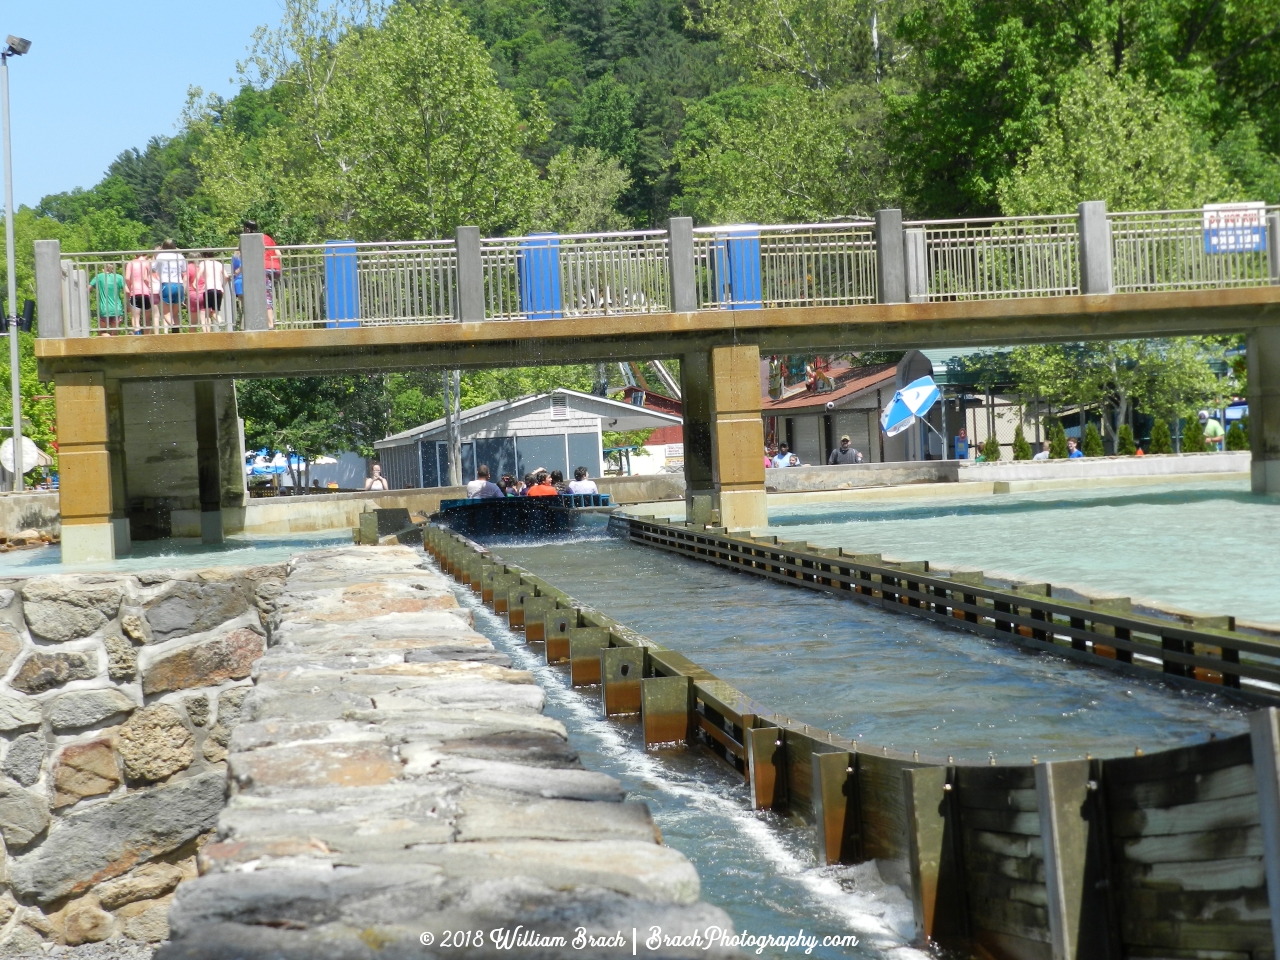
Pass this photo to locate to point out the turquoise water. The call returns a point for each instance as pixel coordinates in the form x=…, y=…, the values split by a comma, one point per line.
x=1213, y=547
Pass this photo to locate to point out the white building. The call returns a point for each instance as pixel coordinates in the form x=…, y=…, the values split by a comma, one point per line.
x=560, y=430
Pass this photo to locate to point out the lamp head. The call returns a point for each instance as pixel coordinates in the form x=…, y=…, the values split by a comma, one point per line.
x=17, y=45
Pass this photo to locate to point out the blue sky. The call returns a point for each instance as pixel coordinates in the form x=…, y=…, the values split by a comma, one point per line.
x=105, y=75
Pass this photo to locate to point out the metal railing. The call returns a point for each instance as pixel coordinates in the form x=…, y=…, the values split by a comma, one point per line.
x=1170, y=250
x=794, y=265
x=546, y=276
x=996, y=258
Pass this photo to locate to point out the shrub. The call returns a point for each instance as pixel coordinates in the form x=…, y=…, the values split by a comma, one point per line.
x=1021, y=449
x=1237, y=437
x=1058, y=442
x=991, y=449
x=1161, y=441
x=1125, y=446
x=1092, y=442
x=1193, y=437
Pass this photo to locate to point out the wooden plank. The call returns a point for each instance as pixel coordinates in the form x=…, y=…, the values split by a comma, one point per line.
x=1004, y=844
x=1233, y=873
x=1010, y=916
x=1186, y=788
x=1195, y=935
x=1028, y=869
x=884, y=807
x=984, y=885
x=937, y=878
x=994, y=778
x=1196, y=818
x=1080, y=917
x=1001, y=821
x=1006, y=946
x=1174, y=906
x=1264, y=741
x=973, y=798
x=1197, y=758
x=1191, y=847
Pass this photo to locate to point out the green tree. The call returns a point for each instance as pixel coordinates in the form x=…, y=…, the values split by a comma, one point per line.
x=1193, y=437
x=1092, y=446
x=1021, y=449
x=584, y=186
x=1057, y=441
x=1161, y=439
x=1125, y=445
x=39, y=421
x=1237, y=438
x=1113, y=138
x=991, y=449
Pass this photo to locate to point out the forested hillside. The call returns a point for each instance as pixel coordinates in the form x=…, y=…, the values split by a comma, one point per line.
x=362, y=119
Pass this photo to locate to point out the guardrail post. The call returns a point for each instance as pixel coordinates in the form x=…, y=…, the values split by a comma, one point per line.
x=937, y=880
x=470, y=275
x=767, y=767
x=1264, y=408
x=253, y=274
x=891, y=274
x=1264, y=734
x=916, y=265
x=684, y=288
x=836, y=810
x=1071, y=831
x=666, y=709
x=1273, y=245
x=49, y=288
x=621, y=670
x=1094, y=229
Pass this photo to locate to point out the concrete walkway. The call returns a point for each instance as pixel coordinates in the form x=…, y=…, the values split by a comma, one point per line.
x=394, y=781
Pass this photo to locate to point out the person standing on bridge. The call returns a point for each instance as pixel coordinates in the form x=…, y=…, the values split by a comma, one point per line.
x=137, y=278
x=845, y=453
x=271, y=264
x=171, y=272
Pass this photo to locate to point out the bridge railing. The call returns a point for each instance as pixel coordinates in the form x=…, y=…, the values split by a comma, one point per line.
x=1172, y=250
x=748, y=266
x=992, y=258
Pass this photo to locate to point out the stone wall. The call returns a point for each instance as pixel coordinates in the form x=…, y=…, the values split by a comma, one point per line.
x=29, y=511
x=117, y=702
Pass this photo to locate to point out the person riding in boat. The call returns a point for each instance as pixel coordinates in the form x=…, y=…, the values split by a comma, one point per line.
x=542, y=486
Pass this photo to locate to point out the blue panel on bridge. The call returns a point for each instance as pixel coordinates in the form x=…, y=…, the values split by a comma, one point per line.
x=538, y=264
x=738, y=268
x=341, y=284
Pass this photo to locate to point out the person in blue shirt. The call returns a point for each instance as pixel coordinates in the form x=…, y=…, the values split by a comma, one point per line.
x=1073, y=450
x=783, y=459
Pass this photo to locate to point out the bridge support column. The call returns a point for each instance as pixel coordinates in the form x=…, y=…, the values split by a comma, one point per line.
x=208, y=469
x=122, y=534
x=737, y=436
x=84, y=468
x=699, y=476
x=1264, y=408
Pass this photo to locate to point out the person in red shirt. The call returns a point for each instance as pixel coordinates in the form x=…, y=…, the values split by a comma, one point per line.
x=271, y=262
x=542, y=486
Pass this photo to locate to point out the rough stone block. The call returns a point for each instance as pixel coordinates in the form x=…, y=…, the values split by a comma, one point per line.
x=85, y=922
x=147, y=921
x=10, y=645
x=133, y=621
x=230, y=703
x=23, y=815
x=107, y=839
x=87, y=708
x=67, y=608
x=197, y=709
x=85, y=769
x=19, y=712
x=491, y=818
x=216, y=742
x=423, y=761
x=185, y=607
x=122, y=658
x=155, y=744
x=44, y=671
x=324, y=764
x=147, y=882
x=215, y=659
x=25, y=758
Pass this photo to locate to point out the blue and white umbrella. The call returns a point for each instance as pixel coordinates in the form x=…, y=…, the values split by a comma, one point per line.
x=909, y=403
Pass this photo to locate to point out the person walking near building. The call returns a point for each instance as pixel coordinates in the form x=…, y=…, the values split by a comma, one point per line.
x=845, y=453
x=110, y=287
x=137, y=279
x=171, y=271
x=1214, y=435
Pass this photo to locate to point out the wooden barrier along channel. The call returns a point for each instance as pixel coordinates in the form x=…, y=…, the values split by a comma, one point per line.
x=1205, y=653
x=1174, y=854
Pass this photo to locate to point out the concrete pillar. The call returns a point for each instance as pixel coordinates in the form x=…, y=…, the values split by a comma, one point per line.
x=695, y=396
x=470, y=305
x=84, y=470
x=115, y=451
x=235, y=488
x=1273, y=246
x=208, y=468
x=1264, y=408
x=684, y=288
x=49, y=288
x=254, y=275
x=891, y=272
x=737, y=436
x=1095, y=248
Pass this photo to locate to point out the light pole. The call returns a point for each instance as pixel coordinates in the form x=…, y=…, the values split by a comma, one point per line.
x=14, y=47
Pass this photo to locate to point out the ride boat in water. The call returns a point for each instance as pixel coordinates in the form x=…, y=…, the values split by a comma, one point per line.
x=518, y=516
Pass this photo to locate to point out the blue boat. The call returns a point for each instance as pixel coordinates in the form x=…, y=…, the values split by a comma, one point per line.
x=518, y=516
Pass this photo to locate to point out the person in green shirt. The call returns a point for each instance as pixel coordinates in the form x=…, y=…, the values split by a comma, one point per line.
x=1213, y=432
x=110, y=287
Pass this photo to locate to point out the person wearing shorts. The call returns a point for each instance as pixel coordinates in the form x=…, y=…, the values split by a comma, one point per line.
x=171, y=271
x=211, y=277
x=110, y=287
x=137, y=278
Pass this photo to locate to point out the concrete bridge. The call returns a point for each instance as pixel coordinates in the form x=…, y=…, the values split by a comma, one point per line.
x=716, y=298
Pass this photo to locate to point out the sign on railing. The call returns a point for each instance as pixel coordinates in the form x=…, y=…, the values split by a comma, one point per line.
x=1235, y=227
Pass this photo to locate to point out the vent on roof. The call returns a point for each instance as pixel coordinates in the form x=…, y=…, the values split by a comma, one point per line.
x=559, y=406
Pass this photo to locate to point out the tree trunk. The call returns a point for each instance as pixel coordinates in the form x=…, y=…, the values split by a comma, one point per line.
x=453, y=384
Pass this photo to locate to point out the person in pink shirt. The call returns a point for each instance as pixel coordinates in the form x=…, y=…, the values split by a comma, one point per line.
x=137, y=279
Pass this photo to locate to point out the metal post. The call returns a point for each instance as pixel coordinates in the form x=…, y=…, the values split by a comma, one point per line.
x=455, y=429
x=916, y=265
x=11, y=304
x=253, y=273
x=1273, y=245
x=684, y=290
x=49, y=288
x=1095, y=248
x=891, y=273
